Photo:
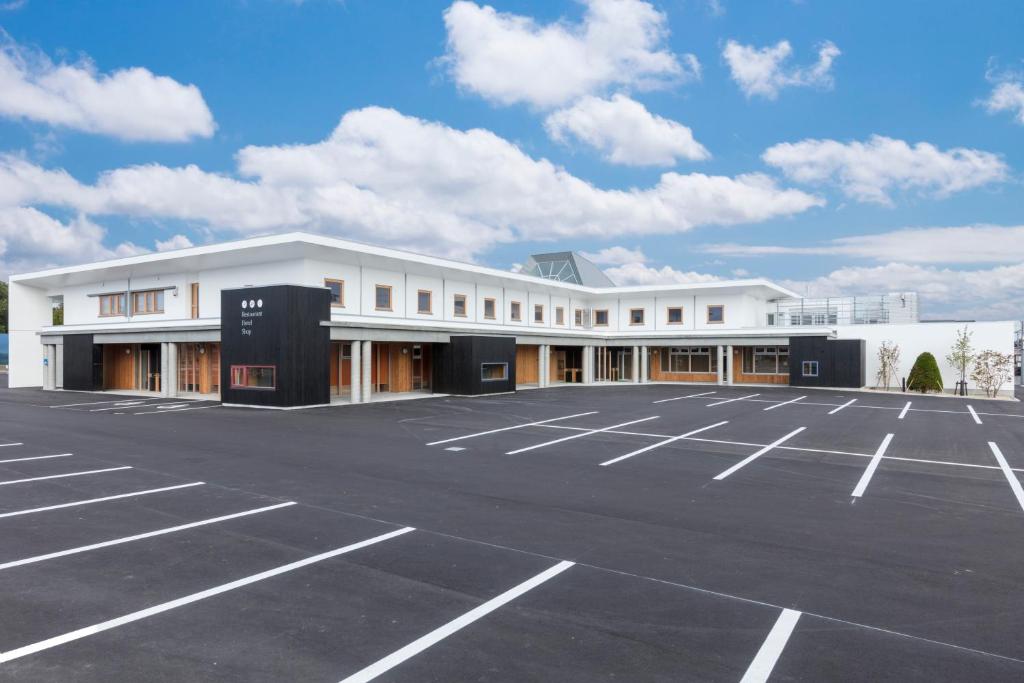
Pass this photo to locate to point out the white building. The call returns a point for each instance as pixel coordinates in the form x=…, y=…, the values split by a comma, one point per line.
x=357, y=320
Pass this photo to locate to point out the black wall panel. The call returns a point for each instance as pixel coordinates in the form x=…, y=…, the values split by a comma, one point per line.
x=83, y=363
x=841, y=362
x=279, y=326
x=458, y=365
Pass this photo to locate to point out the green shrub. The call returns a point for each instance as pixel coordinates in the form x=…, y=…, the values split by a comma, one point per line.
x=924, y=376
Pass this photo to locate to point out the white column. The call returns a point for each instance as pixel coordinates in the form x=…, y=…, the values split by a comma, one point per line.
x=635, y=365
x=721, y=376
x=172, y=368
x=50, y=376
x=355, y=372
x=164, y=386
x=367, y=373
x=730, y=370
x=543, y=358
x=643, y=364
x=588, y=364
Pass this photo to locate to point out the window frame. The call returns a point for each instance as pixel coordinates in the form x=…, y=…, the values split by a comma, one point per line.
x=456, y=300
x=688, y=353
x=538, y=308
x=245, y=387
x=503, y=378
x=515, y=311
x=806, y=364
x=560, y=315
x=715, y=322
x=494, y=308
x=121, y=309
x=597, y=316
x=578, y=317
x=429, y=310
x=148, y=295
x=376, y=299
x=668, y=315
x=194, y=301
x=328, y=281
x=643, y=316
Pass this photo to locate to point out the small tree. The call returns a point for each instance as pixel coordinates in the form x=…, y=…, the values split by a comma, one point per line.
x=925, y=376
x=992, y=370
x=888, y=364
x=961, y=354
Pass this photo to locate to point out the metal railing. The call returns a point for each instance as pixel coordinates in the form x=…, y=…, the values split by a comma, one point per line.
x=849, y=310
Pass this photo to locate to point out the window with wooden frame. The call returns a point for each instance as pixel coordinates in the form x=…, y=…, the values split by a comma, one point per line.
x=515, y=311
x=254, y=377
x=675, y=315
x=559, y=315
x=382, y=297
x=601, y=317
x=716, y=314
x=337, y=288
x=147, y=302
x=194, y=301
x=424, y=301
x=112, y=304
x=636, y=316
x=579, y=317
x=683, y=359
x=538, y=313
x=459, y=308
x=490, y=309
x=766, y=360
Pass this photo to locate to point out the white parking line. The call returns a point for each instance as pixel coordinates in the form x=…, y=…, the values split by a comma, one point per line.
x=580, y=435
x=869, y=471
x=903, y=413
x=771, y=649
x=662, y=443
x=188, y=599
x=751, y=458
x=505, y=429
x=730, y=400
x=680, y=398
x=99, y=500
x=4, y=445
x=420, y=644
x=90, y=403
x=847, y=404
x=122, y=406
x=1010, y=477
x=59, y=476
x=168, y=406
x=785, y=403
x=38, y=457
x=977, y=419
x=139, y=537
x=175, y=410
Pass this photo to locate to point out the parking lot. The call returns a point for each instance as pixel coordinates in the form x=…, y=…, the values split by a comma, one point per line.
x=630, y=533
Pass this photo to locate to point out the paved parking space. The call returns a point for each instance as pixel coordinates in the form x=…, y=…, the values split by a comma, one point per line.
x=572, y=534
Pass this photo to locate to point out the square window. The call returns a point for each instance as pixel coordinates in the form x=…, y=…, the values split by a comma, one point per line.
x=636, y=316
x=516, y=311
x=716, y=313
x=559, y=316
x=337, y=288
x=601, y=318
x=675, y=315
x=460, y=305
x=809, y=368
x=382, y=297
x=489, y=309
x=424, y=302
x=538, y=313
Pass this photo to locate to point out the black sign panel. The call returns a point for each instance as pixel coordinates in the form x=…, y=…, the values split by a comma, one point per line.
x=470, y=365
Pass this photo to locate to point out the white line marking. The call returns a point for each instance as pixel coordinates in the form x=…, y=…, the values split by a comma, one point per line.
x=3, y=445
x=99, y=500
x=455, y=449
x=751, y=458
x=869, y=471
x=69, y=474
x=1010, y=477
x=122, y=406
x=977, y=419
x=903, y=413
x=139, y=537
x=785, y=403
x=176, y=410
x=680, y=398
x=90, y=403
x=730, y=400
x=580, y=435
x=168, y=406
x=37, y=457
x=188, y=599
x=848, y=403
x=662, y=443
x=437, y=635
x=771, y=649
x=505, y=429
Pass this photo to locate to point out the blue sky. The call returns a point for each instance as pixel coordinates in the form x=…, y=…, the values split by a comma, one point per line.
x=877, y=149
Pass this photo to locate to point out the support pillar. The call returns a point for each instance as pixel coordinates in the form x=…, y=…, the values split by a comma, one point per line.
x=367, y=373
x=730, y=370
x=634, y=370
x=588, y=364
x=50, y=371
x=164, y=358
x=356, y=373
x=172, y=369
x=721, y=376
x=543, y=358
x=644, y=359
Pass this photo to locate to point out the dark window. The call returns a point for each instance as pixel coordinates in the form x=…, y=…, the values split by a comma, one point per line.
x=494, y=372
x=489, y=309
x=516, y=311
x=254, y=377
x=383, y=298
x=559, y=316
x=538, y=313
x=460, y=305
x=809, y=368
x=601, y=318
x=636, y=316
x=716, y=313
x=424, y=301
x=337, y=288
x=579, y=317
x=675, y=315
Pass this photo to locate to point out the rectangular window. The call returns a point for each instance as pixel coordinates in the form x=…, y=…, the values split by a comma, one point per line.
x=809, y=368
x=382, y=297
x=559, y=315
x=516, y=311
x=424, y=302
x=766, y=360
x=675, y=315
x=337, y=288
x=194, y=290
x=254, y=377
x=690, y=359
x=601, y=318
x=112, y=304
x=493, y=372
x=460, y=305
x=489, y=309
x=151, y=301
x=636, y=316
x=538, y=313
x=716, y=313
x=579, y=317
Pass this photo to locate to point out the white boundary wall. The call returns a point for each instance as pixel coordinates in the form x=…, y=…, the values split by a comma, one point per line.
x=936, y=338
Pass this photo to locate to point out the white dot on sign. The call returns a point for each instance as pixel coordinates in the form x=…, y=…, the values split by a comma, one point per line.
x=259, y=303
x=252, y=304
x=245, y=304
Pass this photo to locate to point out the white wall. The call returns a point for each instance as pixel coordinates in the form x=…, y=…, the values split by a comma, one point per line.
x=936, y=338
x=28, y=310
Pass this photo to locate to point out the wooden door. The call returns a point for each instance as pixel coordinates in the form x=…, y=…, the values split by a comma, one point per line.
x=118, y=367
x=527, y=359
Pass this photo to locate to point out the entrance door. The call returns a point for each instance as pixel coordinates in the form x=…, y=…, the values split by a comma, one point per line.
x=625, y=365
x=417, y=367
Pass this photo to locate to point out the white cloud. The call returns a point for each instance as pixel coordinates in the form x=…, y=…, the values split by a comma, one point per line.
x=642, y=274
x=615, y=256
x=130, y=104
x=624, y=132
x=174, y=242
x=1008, y=96
x=959, y=244
x=869, y=171
x=762, y=71
x=508, y=58
x=392, y=179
